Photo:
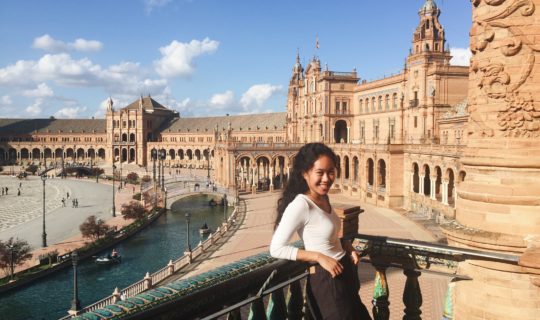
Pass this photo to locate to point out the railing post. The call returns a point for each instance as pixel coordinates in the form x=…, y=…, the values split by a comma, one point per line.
x=116, y=295
x=256, y=311
x=295, y=301
x=276, y=306
x=448, y=307
x=234, y=315
x=412, y=295
x=381, y=293
x=170, y=265
x=147, y=281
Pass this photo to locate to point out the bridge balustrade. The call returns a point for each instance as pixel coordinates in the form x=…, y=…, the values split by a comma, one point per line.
x=244, y=286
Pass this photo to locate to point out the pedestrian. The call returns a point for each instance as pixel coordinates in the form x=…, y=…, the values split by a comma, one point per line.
x=6, y=191
x=305, y=208
x=133, y=189
x=2, y=190
x=20, y=184
x=63, y=202
x=73, y=203
x=18, y=192
x=67, y=195
x=76, y=203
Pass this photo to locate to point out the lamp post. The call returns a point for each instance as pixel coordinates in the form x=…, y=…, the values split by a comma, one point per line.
x=224, y=208
x=208, y=163
x=162, y=156
x=44, y=234
x=113, y=204
x=62, y=173
x=188, y=216
x=75, y=303
x=11, y=260
x=154, y=157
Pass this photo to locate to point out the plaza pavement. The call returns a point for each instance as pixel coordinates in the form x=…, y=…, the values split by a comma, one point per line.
x=21, y=216
x=256, y=231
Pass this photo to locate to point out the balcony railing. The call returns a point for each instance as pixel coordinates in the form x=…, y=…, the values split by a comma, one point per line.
x=249, y=282
x=413, y=103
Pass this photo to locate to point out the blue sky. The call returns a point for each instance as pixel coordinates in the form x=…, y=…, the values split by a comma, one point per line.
x=201, y=57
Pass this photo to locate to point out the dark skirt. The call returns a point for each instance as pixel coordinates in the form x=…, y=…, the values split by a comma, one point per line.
x=336, y=298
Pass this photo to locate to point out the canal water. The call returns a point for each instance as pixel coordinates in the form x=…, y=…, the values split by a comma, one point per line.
x=147, y=251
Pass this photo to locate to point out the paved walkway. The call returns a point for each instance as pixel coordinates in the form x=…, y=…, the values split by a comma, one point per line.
x=255, y=234
x=21, y=216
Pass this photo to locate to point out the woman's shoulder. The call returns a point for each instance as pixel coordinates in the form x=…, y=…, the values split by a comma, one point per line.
x=300, y=202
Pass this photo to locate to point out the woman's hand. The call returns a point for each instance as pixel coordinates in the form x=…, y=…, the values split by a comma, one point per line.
x=330, y=264
x=355, y=258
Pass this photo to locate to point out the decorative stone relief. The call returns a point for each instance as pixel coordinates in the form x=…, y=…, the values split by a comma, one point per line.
x=518, y=114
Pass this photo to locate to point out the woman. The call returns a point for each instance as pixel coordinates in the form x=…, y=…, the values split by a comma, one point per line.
x=305, y=208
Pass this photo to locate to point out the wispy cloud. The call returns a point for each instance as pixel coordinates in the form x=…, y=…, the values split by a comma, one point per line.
x=150, y=5
x=47, y=43
x=41, y=91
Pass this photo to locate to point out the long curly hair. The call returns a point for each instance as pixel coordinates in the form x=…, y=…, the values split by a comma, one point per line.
x=296, y=184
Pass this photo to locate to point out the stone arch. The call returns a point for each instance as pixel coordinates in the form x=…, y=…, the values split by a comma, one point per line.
x=172, y=154
x=131, y=137
x=338, y=167
x=91, y=153
x=131, y=154
x=124, y=155
x=438, y=183
x=101, y=153
x=340, y=131
x=36, y=154
x=189, y=154
x=24, y=153
x=58, y=153
x=416, y=178
x=356, y=165
x=124, y=137
x=198, y=154
x=462, y=175
x=451, y=186
x=427, y=180
x=206, y=154
x=116, y=154
x=381, y=173
x=346, y=165
x=181, y=154
x=70, y=153
x=80, y=153
x=47, y=153
x=369, y=169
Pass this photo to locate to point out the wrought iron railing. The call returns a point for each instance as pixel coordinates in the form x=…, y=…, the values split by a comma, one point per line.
x=231, y=289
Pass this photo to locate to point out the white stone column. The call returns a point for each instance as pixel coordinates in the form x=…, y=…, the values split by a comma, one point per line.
x=348, y=135
x=422, y=184
x=412, y=181
x=445, y=192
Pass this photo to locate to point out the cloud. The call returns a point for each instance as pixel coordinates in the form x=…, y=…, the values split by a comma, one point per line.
x=48, y=43
x=6, y=100
x=460, y=56
x=41, y=91
x=177, y=58
x=222, y=100
x=36, y=107
x=150, y=5
x=257, y=95
x=70, y=113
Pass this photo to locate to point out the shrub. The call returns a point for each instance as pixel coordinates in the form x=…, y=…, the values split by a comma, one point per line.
x=93, y=228
x=132, y=177
x=14, y=252
x=137, y=196
x=133, y=210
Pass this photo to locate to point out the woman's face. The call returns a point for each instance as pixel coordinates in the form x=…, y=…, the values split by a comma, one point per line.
x=321, y=176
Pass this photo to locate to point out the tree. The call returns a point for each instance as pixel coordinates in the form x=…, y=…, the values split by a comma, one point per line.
x=13, y=253
x=97, y=171
x=132, y=177
x=133, y=210
x=93, y=228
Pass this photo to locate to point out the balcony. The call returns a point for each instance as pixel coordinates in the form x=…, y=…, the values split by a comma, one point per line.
x=243, y=287
x=413, y=103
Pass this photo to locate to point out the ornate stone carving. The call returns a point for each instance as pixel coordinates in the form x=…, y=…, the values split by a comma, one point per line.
x=518, y=114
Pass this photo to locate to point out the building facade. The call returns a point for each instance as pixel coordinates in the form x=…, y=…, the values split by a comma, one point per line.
x=399, y=139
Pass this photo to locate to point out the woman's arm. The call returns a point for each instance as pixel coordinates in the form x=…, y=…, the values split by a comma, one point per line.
x=329, y=264
x=347, y=246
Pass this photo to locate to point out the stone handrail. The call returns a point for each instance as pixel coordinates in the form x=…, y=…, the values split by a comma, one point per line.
x=151, y=280
x=239, y=284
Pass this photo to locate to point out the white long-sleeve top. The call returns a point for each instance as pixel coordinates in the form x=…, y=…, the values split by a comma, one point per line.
x=318, y=230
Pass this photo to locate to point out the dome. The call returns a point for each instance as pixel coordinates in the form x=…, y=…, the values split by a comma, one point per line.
x=429, y=5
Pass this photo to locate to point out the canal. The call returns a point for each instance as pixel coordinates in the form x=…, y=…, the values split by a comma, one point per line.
x=149, y=250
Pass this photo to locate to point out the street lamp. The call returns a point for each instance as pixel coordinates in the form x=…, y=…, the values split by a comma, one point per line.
x=154, y=157
x=208, y=163
x=113, y=205
x=224, y=208
x=162, y=156
x=11, y=260
x=62, y=173
x=188, y=216
x=75, y=303
x=44, y=234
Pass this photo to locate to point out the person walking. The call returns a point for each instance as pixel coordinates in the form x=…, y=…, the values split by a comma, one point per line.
x=63, y=202
x=305, y=208
x=67, y=195
x=18, y=192
x=6, y=191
